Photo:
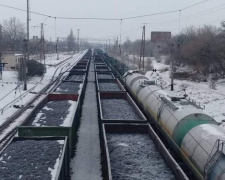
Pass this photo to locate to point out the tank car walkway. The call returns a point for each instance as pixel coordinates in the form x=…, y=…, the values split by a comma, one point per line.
x=87, y=161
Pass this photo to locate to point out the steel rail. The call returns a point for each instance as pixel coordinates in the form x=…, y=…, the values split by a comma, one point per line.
x=53, y=83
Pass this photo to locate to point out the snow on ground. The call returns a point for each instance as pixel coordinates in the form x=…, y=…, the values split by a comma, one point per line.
x=156, y=65
x=10, y=88
x=213, y=100
x=51, y=59
x=16, y=123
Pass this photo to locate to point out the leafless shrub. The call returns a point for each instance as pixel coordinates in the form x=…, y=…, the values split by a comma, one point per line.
x=164, y=69
x=203, y=49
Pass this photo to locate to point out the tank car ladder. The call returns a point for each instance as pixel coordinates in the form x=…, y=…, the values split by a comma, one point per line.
x=219, y=146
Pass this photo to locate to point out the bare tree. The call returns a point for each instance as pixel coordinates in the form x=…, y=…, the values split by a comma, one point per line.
x=71, y=41
x=203, y=49
x=14, y=33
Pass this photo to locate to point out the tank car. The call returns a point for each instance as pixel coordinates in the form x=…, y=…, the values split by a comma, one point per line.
x=196, y=136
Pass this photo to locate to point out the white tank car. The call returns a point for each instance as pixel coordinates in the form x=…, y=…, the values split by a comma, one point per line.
x=192, y=133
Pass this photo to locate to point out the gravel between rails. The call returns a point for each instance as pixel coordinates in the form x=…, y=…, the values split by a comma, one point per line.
x=52, y=114
x=109, y=87
x=68, y=88
x=104, y=76
x=30, y=160
x=135, y=157
x=75, y=78
x=118, y=109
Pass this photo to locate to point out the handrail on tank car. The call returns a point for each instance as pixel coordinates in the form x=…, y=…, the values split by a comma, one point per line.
x=196, y=104
x=213, y=157
x=168, y=103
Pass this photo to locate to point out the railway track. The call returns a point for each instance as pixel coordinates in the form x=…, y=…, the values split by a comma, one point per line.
x=117, y=114
x=102, y=112
x=7, y=129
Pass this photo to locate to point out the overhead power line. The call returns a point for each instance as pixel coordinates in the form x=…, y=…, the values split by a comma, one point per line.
x=25, y=10
x=103, y=19
x=106, y=19
x=147, y=15
x=56, y=29
x=188, y=7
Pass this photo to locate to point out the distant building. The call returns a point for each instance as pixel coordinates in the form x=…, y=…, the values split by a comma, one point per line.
x=8, y=57
x=19, y=59
x=157, y=36
x=161, y=41
x=33, y=45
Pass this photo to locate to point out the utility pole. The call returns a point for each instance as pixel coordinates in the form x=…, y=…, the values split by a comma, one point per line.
x=117, y=46
x=57, y=48
x=142, y=54
x=105, y=44
x=120, y=44
x=42, y=43
x=26, y=49
x=1, y=66
x=120, y=50
x=24, y=65
x=78, y=40
x=172, y=66
x=109, y=45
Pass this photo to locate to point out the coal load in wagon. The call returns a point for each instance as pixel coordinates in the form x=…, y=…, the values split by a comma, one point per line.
x=118, y=109
x=105, y=76
x=109, y=87
x=68, y=88
x=75, y=78
x=30, y=159
x=54, y=113
x=135, y=157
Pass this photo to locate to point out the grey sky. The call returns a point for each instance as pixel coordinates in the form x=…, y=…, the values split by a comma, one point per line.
x=210, y=12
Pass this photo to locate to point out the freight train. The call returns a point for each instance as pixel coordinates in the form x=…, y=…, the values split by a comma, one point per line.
x=194, y=135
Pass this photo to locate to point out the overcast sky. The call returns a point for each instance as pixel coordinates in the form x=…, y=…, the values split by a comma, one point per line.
x=209, y=12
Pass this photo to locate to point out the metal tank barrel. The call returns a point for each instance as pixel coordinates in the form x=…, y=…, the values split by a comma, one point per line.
x=190, y=131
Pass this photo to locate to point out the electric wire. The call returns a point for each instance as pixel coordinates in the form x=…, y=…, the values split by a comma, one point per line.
x=188, y=7
x=118, y=19
x=188, y=132
x=20, y=84
x=171, y=114
x=19, y=9
x=23, y=95
x=106, y=19
x=56, y=29
x=199, y=14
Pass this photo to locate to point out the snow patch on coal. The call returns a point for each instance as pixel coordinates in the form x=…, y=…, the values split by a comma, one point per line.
x=118, y=109
x=56, y=113
x=77, y=77
x=135, y=157
x=68, y=88
x=31, y=159
x=104, y=76
x=109, y=87
x=71, y=112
